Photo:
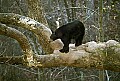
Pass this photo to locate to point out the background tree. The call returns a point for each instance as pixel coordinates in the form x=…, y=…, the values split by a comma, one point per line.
x=54, y=9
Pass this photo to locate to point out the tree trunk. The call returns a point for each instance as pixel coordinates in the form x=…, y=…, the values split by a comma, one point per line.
x=35, y=11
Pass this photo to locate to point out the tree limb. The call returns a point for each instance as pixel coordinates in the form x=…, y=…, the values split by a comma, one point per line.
x=90, y=55
x=12, y=60
x=22, y=40
x=42, y=32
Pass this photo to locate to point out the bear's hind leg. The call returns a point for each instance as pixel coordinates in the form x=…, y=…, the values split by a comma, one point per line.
x=78, y=40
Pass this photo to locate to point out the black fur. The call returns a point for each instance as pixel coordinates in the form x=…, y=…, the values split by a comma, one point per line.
x=74, y=30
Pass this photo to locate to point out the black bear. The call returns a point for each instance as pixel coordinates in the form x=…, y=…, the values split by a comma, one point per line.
x=74, y=30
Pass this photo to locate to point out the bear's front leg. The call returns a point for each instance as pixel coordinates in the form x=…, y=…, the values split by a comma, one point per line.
x=65, y=49
x=66, y=42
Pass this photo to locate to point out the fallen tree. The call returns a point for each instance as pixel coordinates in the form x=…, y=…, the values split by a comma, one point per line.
x=105, y=55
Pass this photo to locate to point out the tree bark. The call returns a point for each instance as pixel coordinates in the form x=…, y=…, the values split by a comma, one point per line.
x=67, y=11
x=35, y=11
x=101, y=30
x=42, y=32
x=90, y=55
x=24, y=44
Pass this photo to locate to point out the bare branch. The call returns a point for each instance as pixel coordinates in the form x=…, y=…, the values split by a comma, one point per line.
x=12, y=60
x=89, y=55
x=21, y=38
x=42, y=32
